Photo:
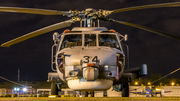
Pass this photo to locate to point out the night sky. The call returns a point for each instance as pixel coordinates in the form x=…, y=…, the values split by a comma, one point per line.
x=33, y=56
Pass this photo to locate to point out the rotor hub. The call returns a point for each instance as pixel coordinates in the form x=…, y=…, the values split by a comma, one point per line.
x=89, y=14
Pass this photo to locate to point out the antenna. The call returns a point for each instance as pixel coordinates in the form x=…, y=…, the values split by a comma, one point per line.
x=18, y=75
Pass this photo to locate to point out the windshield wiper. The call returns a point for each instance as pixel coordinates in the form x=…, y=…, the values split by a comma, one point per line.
x=105, y=43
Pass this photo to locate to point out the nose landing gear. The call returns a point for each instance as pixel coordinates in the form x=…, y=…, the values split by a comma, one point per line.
x=87, y=93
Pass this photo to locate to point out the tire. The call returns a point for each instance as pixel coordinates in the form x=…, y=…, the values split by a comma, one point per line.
x=86, y=94
x=92, y=93
x=125, y=90
x=105, y=93
x=54, y=89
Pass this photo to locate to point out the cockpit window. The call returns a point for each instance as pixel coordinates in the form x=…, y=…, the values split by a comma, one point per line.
x=90, y=40
x=108, y=40
x=72, y=40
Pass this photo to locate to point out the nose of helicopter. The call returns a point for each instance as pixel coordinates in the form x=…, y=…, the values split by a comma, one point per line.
x=105, y=56
x=90, y=55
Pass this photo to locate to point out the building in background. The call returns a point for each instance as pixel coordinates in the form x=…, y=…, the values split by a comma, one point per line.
x=174, y=91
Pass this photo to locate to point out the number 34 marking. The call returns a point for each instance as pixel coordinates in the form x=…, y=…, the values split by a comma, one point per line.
x=95, y=59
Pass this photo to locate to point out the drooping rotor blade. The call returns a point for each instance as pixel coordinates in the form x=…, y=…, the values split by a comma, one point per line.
x=31, y=11
x=173, y=4
x=149, y=29
x=38, y=32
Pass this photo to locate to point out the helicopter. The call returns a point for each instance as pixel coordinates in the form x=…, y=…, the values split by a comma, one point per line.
x=89, y=58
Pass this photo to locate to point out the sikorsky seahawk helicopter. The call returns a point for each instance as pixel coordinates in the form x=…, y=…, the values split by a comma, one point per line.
x=89, y=58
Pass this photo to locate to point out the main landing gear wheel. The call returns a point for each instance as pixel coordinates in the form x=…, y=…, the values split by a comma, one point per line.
x=54, y=89
x=125, y=90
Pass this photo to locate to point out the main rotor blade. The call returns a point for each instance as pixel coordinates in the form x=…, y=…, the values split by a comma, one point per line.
x=31, y=11
x=173, y=4
x=149, y=29
x=38, y=32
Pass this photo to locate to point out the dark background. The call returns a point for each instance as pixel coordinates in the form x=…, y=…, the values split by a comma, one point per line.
x=33, y=56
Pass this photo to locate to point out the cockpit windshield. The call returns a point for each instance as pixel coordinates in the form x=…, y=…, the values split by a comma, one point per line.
x=108, y=40
x=72, y=40
x=90, y=40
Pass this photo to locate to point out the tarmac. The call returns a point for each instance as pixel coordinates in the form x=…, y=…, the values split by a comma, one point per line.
x=92, y=99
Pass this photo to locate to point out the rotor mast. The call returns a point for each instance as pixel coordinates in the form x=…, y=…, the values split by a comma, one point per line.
x=89, y=23
x=89, y=16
